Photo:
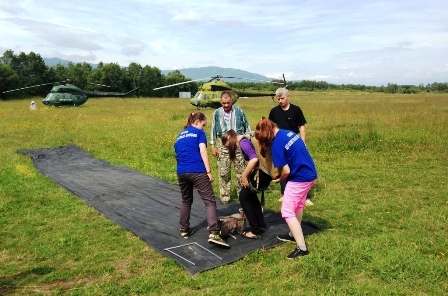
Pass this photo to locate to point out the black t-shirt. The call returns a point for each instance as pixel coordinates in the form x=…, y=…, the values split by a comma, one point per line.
x=290, y=119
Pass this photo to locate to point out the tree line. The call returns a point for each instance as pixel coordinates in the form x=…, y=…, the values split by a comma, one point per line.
x=23, y=70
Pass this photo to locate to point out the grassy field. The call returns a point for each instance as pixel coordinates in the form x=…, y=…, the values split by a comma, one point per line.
x=382, y=197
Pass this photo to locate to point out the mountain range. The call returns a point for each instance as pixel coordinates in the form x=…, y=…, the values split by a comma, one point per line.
x=192, y=73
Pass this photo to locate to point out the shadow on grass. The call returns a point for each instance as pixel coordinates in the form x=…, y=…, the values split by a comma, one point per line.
x=10, y=284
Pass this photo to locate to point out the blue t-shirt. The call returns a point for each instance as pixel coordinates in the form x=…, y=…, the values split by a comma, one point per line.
x=288, y=148
x=188, y=156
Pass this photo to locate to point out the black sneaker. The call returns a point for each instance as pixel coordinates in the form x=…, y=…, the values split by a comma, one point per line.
x=286, y=238
x=297, y=253
x=185, y=233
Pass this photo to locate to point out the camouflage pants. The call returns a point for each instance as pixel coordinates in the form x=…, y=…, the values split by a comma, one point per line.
x=224, y=169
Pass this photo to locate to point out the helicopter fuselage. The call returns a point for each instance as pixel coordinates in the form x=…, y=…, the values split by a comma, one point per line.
x=70, y=95
x=65, y=95
x=64, y=99
x=209, y=95
x=206, y=99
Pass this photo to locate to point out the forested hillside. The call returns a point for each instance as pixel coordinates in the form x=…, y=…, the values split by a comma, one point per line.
x=24, y=70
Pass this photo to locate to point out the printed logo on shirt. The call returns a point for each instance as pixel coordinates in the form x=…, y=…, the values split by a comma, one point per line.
x=185, y=134
x=292, y=141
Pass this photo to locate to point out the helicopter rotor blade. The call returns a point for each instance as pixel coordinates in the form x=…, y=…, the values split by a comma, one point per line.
x=32, y=86
x=231, y=77
x=180, y=83
x=217, y=77
x=100, y=84
x=284, y=81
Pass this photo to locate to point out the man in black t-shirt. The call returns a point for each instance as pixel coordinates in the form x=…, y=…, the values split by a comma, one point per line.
x=289, y=117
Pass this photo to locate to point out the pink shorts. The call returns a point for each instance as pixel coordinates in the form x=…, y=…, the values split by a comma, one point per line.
x=294, y=198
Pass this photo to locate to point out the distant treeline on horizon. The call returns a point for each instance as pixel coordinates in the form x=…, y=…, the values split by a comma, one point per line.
x=25, y=70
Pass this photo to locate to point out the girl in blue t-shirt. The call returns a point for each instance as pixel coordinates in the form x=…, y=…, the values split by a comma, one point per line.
x=193, y=171
x=289, y=153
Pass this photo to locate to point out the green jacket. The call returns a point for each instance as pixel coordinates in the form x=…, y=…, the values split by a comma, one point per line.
x=238, y=123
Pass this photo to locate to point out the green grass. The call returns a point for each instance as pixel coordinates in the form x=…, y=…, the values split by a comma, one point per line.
x=382, y=196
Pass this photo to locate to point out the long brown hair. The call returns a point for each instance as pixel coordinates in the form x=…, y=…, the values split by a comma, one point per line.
x=231, y=138
x=264, y=133
x=192, y=117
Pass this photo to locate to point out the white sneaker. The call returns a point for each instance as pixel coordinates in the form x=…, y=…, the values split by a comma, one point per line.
x=308, y=202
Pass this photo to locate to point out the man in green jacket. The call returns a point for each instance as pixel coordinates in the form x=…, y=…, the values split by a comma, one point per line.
x=225, y=118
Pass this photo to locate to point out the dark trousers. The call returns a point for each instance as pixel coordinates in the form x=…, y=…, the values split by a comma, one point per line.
x=252, y=206
x=201, y=183
x=252, y=210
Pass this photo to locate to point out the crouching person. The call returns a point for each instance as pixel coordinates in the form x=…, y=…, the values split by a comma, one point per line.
x=193, y=172
x=248, y=196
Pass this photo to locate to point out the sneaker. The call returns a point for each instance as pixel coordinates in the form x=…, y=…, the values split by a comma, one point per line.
x=297, y=253
x=286, y=238
x=185, y=233
x=216, y=239
x=308, y=202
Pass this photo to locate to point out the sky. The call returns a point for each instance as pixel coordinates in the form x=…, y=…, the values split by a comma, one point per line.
x=338, y=41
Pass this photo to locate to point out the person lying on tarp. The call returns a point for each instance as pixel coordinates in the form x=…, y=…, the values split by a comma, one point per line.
x=254, y=179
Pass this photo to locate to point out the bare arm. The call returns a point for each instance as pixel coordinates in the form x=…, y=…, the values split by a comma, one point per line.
x=302, y=133
x=204, y=156
x=213, y=137
x=250, y=166
x=285, y=173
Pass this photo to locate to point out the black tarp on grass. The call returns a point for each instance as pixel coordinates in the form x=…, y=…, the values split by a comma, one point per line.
x=149, y=207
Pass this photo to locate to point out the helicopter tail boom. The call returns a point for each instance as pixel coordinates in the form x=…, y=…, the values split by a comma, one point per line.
x=108, y=94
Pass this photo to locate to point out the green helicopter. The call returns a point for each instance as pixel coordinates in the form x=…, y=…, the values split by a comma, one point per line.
x=68, y=94
x=209, y=93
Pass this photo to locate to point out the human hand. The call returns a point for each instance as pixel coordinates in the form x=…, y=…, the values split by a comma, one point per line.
x=244, y=182
x=210, y=177
x=214, y=152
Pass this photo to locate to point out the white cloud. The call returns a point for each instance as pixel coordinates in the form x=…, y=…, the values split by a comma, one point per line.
x=343, y=41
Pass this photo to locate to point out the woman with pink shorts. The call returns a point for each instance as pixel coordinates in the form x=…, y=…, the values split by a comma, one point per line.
x=289, y=153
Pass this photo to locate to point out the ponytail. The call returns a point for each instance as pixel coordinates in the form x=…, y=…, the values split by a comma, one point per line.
x=192, y=117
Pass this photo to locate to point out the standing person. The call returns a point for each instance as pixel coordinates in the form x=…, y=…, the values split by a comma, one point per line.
x=248, y=197
x=297, y=167
x=33, y=106
x=193, y=171
x=289, y=117
x=224, y=119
